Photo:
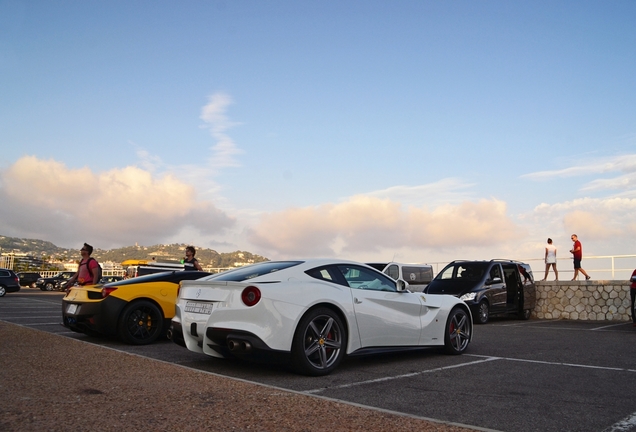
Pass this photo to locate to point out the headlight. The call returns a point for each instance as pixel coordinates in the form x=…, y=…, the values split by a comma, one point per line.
x=468, y=296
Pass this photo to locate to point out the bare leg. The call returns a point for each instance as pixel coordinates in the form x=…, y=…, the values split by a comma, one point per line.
x=576, y=274
x=556, y=273
x=547, y=269
x=584, y=273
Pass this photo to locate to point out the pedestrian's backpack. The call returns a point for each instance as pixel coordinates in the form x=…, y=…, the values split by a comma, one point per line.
x=90, y=272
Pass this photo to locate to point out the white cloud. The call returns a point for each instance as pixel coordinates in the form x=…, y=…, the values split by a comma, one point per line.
x=622, y=163
x=216, y=120
x=365, y=224
x=45, y=199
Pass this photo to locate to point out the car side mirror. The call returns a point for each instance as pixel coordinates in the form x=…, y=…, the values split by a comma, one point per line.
x=402, y=285
x=493, y=281
x=633, y=279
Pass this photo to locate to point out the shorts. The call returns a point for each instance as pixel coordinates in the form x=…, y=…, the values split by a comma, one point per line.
x=577, y=263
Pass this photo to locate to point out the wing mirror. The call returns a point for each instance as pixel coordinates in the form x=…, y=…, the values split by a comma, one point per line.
x=493, y=281
x=402, y=285
x=633, y=279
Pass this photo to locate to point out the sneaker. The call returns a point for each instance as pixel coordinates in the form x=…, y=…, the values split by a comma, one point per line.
x=587, y=278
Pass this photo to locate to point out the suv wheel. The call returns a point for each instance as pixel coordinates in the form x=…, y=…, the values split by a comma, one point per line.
x=3, y=291
x=483, y=312
x=49, y=286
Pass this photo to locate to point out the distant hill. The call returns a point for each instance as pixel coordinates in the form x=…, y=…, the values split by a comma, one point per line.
x=171, y=252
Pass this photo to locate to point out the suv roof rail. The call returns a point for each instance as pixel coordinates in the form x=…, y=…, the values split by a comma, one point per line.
x=506, y=260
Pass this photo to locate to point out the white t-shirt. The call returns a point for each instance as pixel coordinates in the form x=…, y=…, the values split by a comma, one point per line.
x=551, y=257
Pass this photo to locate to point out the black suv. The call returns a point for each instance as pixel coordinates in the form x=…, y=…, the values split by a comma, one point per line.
x=29, y=278
x=9, y=282
x=54, y=283
x=489, y=287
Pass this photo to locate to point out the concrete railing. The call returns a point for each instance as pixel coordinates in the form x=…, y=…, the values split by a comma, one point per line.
x=597, y=300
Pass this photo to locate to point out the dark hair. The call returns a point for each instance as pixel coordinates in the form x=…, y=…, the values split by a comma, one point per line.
x=550, y=240
x=191, y=249
x=88, y=248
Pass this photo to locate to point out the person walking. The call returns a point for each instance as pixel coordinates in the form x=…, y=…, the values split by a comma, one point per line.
x=577, y=253
x=550, y=260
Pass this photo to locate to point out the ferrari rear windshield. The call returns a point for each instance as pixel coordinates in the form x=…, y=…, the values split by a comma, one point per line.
x=252, y=271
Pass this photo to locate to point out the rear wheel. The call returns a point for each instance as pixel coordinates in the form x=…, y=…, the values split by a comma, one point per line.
x=458, y=330
x=141, y=323
x=483, y=312
x=319, y=343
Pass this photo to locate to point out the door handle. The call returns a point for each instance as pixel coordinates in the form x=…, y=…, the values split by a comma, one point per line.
x=356, y=301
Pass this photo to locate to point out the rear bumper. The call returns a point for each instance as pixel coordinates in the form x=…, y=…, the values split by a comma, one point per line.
x=101, y=316
x=242, y=344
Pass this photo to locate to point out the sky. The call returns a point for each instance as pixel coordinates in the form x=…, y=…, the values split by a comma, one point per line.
x=414, y=131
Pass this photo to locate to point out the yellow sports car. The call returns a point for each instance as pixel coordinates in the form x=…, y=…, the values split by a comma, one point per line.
x=138, y=310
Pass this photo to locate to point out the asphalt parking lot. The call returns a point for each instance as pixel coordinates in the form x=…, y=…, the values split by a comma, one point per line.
x=516, y=375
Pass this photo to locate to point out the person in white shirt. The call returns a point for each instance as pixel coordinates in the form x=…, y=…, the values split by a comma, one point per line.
x=550, y=260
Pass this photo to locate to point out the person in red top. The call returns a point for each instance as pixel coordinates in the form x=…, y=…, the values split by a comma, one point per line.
x=88, y=269
x=577, y=252
x=632, y=293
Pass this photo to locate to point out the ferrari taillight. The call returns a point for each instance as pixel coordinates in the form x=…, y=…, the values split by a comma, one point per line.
x=251, y=295
x=107, y=290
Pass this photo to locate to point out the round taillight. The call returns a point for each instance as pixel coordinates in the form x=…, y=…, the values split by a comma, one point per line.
x=251, y=295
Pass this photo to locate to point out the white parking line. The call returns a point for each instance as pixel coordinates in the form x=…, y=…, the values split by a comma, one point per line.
x=485, y=359
x=612, y=325
x=553, y=363
x=400, y=376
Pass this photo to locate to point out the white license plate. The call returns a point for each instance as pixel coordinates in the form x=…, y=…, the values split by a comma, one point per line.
x=200, y=308
x=72, y=308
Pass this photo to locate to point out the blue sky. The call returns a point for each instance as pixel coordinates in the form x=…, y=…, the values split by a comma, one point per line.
x=416, y=130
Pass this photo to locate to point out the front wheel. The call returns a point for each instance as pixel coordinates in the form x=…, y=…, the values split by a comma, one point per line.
x=49, y=286
x=483, y=312
x=319, y=343
x=525, y=314
x=458, y=330
x=3, y=291
x=141, y=323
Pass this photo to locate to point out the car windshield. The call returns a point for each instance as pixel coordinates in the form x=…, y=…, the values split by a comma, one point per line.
x=255, y=270
x=464, y=271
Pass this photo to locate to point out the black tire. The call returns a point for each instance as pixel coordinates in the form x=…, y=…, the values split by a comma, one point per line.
x=49, y=286
x=319, y=343
x=483, y=312
x=525, y=314
x=458, y=331
x=3, y=291
x=140, y=323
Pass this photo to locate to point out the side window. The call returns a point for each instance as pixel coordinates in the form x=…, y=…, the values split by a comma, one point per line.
x=320, y=273
x=363, y=278
x=4, y=273
x=447, y=273
x=495, y=272
x=393, y=271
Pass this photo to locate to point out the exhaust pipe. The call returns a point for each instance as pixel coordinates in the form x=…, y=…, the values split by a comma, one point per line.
x=235, y=345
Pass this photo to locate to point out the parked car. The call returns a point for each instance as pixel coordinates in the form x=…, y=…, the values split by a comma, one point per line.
x=311, y=313
x=489, y=287
x=9, y=281
x=108, y=279
x=55, y=282
x=137, y=310
x=417, y=275
x=28, y=278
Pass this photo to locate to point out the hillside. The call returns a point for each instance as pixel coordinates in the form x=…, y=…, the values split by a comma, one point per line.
x=171, y=252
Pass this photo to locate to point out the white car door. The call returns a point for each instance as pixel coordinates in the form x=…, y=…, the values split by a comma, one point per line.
x=384, y=316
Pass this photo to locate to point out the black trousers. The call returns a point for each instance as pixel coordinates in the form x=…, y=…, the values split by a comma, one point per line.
x=632, y=292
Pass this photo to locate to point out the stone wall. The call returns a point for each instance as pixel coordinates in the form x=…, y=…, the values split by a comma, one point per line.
x=583, y=300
